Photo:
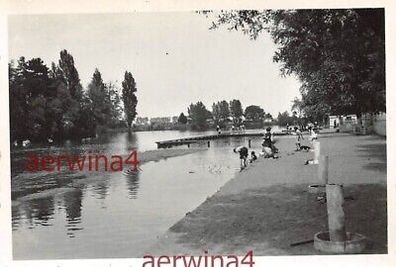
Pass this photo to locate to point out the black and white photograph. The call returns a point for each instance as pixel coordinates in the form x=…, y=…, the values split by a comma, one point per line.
x=202, y=137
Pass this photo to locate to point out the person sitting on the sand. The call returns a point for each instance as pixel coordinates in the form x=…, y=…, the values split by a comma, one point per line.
x=268, y=148
x=269, y=140
x=253, y=156
x=243, y=155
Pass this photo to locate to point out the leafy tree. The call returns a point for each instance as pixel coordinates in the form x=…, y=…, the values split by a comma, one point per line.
x=19, y=102
x=216, y=112
x=34, y=107
x=70, y=75
x=50, y=103
x=37, y=89
x=284, y=119
x=254, y=113
x=100, y=99
x=62, y=108
x=116, y=108
x=67, y=74
x=198, y=114
x=297, y=106
x=220, y=111
x=236, y=110
x=338, y=54
x=86, y=118
x=268, y=116
x=182, y=119
x=129, y=97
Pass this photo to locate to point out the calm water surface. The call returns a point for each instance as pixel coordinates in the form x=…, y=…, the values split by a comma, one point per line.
x=115, y=214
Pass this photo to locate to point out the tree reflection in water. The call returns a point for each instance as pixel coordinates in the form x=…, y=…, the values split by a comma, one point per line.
x=132, y=180
x=73, y=203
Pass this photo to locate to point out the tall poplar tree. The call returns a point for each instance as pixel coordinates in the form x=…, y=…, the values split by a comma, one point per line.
x=129, y=98
x=100, y=99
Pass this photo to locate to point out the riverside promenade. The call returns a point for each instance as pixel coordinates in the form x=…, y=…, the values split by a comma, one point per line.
x=267, y=206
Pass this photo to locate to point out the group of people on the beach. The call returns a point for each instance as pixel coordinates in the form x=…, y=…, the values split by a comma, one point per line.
x=299, y=137
x=269, y=150
x=234, y=129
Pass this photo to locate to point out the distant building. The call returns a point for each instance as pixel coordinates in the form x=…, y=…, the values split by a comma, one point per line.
x=350, y=119
x=335, y=121
x=175, y=119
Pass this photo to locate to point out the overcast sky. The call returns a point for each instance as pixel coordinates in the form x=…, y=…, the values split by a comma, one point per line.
x=173, y=57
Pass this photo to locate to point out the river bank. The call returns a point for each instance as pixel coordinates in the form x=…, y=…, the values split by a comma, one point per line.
x=266, y=207
x=125, y=211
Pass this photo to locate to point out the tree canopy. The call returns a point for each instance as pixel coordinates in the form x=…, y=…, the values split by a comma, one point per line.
x=254, y=113
x=129, y=97
x=236, y=110
x=220, y=111
x=51, y=103
x=198, y=114
x=182, y=119
x=285, y=119
x=338, y=54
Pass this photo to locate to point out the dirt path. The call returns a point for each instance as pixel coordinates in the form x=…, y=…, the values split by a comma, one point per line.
x=267, y=207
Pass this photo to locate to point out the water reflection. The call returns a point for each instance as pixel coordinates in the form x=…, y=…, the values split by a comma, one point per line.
x=41, y=211
x=34, y=212
x=132, y=180
x=114, y=207
x=100, y=189
x=73, y=204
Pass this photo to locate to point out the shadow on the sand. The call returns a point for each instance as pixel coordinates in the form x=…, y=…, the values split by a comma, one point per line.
x=274, y=217
x=376, y=152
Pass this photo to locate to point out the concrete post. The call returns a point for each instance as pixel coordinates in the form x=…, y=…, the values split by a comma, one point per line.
x=335, y=212
x=323, y=169
x=316, y=147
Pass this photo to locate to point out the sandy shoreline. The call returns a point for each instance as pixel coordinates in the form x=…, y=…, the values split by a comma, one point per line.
x=266, y=207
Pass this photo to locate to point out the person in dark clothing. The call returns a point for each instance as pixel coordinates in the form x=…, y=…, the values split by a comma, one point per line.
x=268, y=146
x=253, y=156
x=243, y=155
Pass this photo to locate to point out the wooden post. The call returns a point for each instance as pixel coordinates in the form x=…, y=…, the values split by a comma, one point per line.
x=335, y=212
x=250, y=143
x=208, y=143
x=188, y=145
x=323, y=170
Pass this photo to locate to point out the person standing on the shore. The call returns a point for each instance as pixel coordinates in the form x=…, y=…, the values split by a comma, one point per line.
x=299, y=137
x=243, y=155
x=313, y=135
x=253, y=156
